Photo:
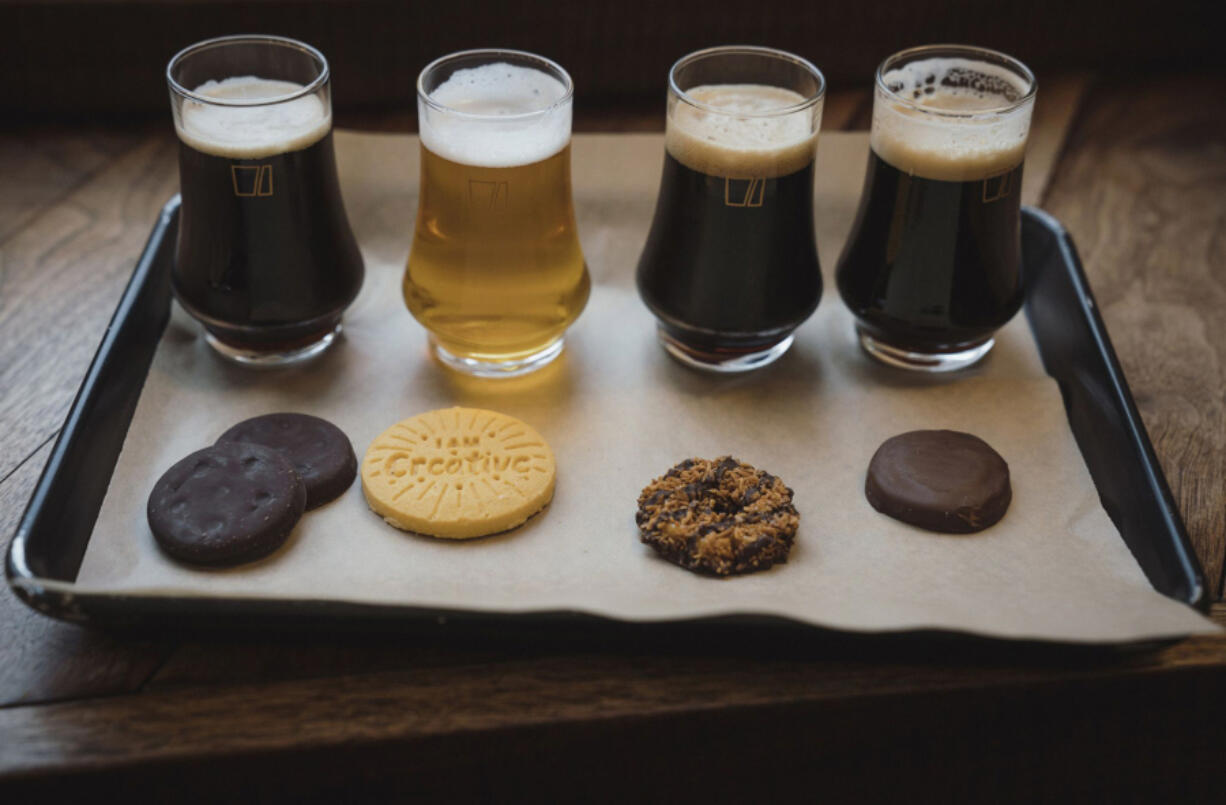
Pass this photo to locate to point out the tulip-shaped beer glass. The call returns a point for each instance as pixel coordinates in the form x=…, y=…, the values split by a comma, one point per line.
x=495, y=274
x=265, y=258
x=730, y=266
x=933, y=264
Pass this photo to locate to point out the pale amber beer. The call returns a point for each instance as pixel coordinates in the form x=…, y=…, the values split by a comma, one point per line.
x=496, y=273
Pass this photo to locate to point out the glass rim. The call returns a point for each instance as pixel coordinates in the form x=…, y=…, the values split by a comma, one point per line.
x=756, y=50
x=551, y=66
x=248, y=39
x=972, y=52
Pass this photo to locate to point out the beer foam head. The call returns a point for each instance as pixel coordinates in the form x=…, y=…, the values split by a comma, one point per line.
x=734, y=130
x=496, y=116
x=952, y=119
x=247, y=123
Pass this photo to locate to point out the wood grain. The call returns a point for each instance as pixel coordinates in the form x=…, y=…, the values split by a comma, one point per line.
x=45, y=660
x=464, y=696
x=1142, y=188
x=41, y=166
x=420, y=715
x=62, y=274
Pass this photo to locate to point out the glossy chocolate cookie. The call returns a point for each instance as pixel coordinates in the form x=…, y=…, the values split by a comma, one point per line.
x=718, y=517
x=941, y=480
x=226, y=504
x=320, y=452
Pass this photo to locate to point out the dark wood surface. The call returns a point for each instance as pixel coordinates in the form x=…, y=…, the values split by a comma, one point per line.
x=474, y=713
x=1142, y=187
x=77, y=59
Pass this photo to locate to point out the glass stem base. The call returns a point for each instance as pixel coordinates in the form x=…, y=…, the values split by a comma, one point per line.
x=516, y=367
x=724, y=361
x=924, y=361
x=276, y=357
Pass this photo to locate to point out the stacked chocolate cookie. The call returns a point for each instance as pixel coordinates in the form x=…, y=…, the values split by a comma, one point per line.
x=240, y=499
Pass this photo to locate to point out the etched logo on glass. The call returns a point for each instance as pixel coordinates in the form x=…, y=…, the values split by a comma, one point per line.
x=251, y=180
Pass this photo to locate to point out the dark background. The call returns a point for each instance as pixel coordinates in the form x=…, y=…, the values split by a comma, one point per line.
x=105, y=59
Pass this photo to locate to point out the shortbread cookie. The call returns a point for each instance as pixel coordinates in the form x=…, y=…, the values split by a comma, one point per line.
x=320, y=452
x=719, y=517
x=226, y=504
x=458, y=473
x=941, y=480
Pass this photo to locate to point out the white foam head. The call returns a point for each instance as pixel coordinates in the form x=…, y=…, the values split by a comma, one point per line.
x=736, y=130
x=246, y=125
x=496, y=115
x=952, y=119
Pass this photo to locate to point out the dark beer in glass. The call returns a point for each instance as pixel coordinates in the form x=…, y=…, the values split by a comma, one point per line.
x=265, y=258
x=932, y=267
x=730, y=265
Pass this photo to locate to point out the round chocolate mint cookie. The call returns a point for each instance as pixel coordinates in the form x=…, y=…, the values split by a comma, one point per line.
x=320, y=452
x=941, y=480
x=226, y=504
x=718, y=517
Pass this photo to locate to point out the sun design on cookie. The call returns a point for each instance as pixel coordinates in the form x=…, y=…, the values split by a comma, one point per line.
x=458, y=472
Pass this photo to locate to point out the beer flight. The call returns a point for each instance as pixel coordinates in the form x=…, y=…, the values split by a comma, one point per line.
x=267, y=263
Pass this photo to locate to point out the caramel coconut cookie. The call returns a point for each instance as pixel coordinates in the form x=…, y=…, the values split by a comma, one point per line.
x=720, y=517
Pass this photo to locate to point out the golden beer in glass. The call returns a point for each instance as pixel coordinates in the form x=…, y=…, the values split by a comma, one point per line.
x=496, y=273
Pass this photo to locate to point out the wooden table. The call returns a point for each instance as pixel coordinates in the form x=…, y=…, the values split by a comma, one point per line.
x=1138, y=174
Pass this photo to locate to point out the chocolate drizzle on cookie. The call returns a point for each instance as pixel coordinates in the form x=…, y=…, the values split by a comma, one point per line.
x=719, y=517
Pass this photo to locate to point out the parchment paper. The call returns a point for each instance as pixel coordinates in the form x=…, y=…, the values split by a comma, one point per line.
x=618, y=412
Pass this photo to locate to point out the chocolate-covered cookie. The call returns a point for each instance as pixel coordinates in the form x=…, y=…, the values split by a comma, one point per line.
x=226, y=504
x=320, y=452
x=941, y=480
x=718, y=517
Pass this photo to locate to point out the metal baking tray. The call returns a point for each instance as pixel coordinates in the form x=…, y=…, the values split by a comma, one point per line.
x=51, y=538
